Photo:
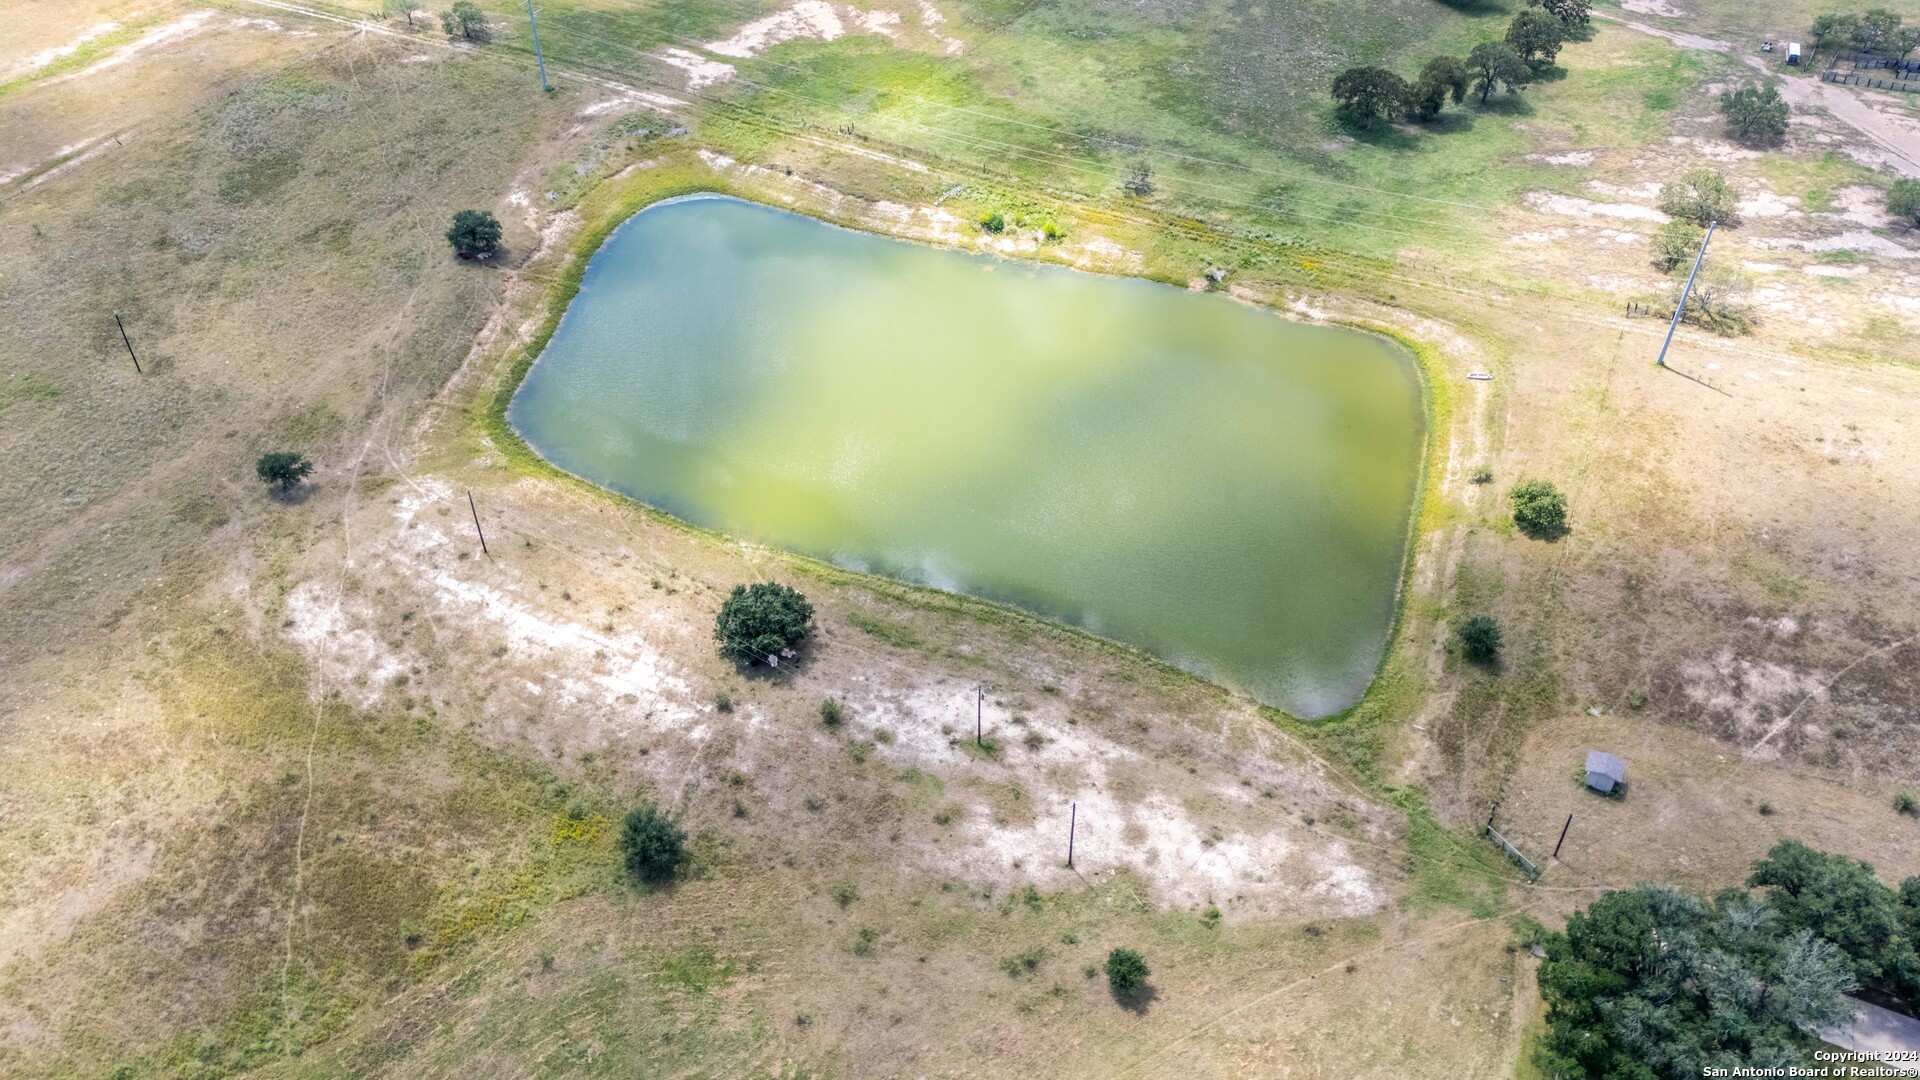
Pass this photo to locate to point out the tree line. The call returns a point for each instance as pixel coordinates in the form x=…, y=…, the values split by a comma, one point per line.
x=1532, y=42
x=1879, y=31
x=1654, y=983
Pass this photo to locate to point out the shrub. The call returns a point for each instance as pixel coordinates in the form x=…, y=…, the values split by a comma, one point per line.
x=757, y=622
x=1906, y=803
x=723, y=701
x=1024, y=962
x=1482, y=475
x=830, y=713
x=1701, y=196
x=652, y=844
x=465, y=19
x=1719, y=300
x=1480, y=639
x=844, y=892
x=1835, y=26
x=1126, y=971
x=1571, y=13
x=1365, y=94
x=1444, y=77
x=1539, y=509
x=1729, y=980
x=475, y=234
x=282, y=469
x=1675, y=244
x=1139, y=181
x=1756, y=114
x=1903, y=200
x=1875, y=30
x=1494, y=63
x=1534, y=32
x=993, y=222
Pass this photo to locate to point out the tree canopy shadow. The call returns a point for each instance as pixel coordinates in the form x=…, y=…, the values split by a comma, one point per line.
x=1383, y=135
x=1515, y=104
x=1547, y=534
x=1450, y=122
x=295, y=495
x=1137, y=1000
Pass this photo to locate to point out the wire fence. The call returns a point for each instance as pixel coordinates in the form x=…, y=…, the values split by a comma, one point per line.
x=1526, y=864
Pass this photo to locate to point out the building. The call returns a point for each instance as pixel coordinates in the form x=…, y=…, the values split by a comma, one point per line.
x=1883, y=1033
x=1605, y=772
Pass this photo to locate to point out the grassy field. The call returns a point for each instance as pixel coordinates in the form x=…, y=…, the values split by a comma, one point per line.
x=312, y=787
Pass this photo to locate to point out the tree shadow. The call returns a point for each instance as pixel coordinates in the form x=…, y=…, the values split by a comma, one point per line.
x=1509, y=104
x=1137, y=1000
x=1548, y=73
x=773, y=676
x=296, y=495
x=1478, y=7
x=1383, y=135
x=1453, y=121
x=1548, y=534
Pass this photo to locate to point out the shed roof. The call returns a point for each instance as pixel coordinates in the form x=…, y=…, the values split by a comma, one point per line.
x=1599, y=761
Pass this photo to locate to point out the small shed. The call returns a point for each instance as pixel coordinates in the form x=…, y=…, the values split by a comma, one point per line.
x=1793, y=54
x=1605, y=772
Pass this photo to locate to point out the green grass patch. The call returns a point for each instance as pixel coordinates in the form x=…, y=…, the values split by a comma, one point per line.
x=886, y=630
x=86, y=53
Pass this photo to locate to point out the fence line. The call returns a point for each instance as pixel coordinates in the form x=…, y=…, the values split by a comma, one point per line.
x=1533, y=872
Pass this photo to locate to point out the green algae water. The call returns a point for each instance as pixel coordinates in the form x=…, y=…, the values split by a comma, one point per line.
x=1216, y=484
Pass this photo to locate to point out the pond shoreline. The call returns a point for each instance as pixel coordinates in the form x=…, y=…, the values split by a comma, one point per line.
x=688, y=182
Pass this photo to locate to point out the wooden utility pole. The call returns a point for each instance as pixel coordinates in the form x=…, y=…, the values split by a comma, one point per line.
x=979, y=705
x=127, y=343
x=1073, y=823
x=1563, y=836
x=477, y=528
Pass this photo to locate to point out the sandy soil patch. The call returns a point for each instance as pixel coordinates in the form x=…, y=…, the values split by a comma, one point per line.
x=1568, y=157
x=47, y=56
x=1714, y=149
x=1548, y=202
x=1652, y=7
x=185, y=26
x=803, y=19
x=1766, y=204
x=1863, y=206
x=931, y=20
x=701, y=72
x=1851, y=240
x=1203, y=815
x=1649, y=190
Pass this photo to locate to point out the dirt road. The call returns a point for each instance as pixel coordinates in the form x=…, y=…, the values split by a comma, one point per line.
x=1897, y=136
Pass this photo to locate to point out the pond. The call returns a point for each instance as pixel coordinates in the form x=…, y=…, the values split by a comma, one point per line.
x=1214, y=483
